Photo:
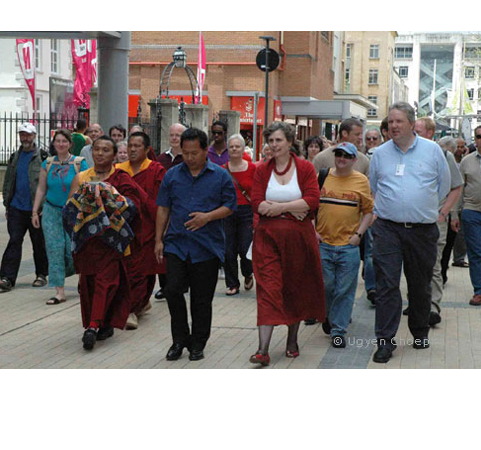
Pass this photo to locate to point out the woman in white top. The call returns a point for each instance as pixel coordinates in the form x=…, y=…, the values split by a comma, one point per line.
x=286, y=259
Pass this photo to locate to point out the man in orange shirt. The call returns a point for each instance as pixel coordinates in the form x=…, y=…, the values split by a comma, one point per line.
x=142, y=265
x=345, y=212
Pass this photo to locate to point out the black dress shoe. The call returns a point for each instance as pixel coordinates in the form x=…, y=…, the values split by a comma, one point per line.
x=421, y=343
x=406, y=312
x=382, y=355
x=371, y=296
x=89, y=339
x=175, y=352
x=310, y=322
x=196, y=355
x=159, y=294
x=326, y=327
x=434, y=318
x=105, y=333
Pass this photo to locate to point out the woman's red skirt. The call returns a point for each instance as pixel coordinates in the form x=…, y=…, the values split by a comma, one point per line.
x=287, y=267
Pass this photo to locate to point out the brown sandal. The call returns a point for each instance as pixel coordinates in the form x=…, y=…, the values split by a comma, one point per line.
x=248, y=283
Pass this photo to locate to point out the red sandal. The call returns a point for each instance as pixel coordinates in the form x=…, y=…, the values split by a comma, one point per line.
x=261, y=359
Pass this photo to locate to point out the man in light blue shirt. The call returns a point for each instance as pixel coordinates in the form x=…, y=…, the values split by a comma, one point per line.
x=409, y=175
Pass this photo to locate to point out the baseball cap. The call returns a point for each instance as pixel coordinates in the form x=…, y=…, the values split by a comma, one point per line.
x=27, y=127
x=347, y=147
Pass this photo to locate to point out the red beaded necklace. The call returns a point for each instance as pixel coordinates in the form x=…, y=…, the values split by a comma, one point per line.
x=286, y=169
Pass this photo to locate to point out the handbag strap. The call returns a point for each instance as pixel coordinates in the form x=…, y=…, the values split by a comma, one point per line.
x=236, y=182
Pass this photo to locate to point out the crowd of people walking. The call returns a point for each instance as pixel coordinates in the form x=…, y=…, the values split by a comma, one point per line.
x=301, y=221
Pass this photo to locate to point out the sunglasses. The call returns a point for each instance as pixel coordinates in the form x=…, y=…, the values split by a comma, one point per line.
x=343, y=155
x=372, y=139
x=217, y=132
x=478, y=136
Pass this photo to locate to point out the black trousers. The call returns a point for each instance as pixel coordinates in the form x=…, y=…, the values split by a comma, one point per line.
x=202, y=280
x=18, y=222
x=238, y=238
x=415, y=249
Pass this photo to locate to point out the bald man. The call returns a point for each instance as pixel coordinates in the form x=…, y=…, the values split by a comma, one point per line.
x=173, y=155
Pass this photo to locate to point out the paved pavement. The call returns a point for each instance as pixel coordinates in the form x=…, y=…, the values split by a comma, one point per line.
x=34, y=335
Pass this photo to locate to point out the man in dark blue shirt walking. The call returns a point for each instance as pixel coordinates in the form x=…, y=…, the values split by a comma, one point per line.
x=195, y=195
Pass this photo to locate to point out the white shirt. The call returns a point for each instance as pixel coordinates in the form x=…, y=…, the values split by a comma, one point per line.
x=283, y=193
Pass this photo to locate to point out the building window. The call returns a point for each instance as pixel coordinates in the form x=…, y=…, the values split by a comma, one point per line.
x=38, y=105
x=372, y=112
x=403, y=52
x=469, y=73
x=403, y=71
x=479, y=94
x=373, y=73
x=470, y=94
x=325, y=35
x=348, y=76
x=37, y=54
x=54, y=47
x=374, y=52
x=472, y=53
x=348, y=51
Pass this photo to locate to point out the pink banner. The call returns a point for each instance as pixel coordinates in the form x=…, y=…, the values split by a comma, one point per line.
x=84, y=56
x=26, y=58
x=201, y=65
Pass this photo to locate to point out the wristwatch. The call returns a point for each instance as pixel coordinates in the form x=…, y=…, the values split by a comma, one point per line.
x=358, y=234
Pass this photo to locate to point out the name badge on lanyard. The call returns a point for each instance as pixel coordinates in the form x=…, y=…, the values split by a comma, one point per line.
x=400, y=170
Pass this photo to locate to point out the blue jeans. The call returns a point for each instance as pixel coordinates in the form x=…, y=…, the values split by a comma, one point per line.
x=471, y=223
x=340, y=268
x=369, y=274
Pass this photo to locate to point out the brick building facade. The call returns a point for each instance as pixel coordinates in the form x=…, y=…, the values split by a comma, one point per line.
x=305, y=69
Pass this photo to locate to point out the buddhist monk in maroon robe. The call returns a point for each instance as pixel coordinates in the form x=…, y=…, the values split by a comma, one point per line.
x=104, y=287
x=142, y=265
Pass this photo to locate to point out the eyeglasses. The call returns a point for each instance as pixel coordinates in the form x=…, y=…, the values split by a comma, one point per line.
x=478, y=136
x=372, y=138
x=217, y=132
x=343, y=155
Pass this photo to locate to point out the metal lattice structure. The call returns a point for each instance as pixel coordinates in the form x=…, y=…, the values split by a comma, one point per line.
x=180, y=61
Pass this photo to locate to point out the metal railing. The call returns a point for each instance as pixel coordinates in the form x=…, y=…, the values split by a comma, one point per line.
x=45, y=124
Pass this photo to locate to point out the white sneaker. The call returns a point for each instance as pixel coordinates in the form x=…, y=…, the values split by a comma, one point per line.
x=132, y=322
x=221, y=273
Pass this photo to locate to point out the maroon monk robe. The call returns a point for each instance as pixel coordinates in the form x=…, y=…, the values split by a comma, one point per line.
x=104, y=288
x=142, y=264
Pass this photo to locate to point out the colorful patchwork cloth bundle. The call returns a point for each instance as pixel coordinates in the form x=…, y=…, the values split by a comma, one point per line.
x=98, y=210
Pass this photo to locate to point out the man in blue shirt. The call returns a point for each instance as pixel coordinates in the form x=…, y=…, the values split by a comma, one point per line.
x=409, y=175
x=195, y=195
x=19, y=188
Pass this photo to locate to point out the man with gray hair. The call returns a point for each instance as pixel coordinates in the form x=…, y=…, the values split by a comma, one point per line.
x=448, y=146
x=94, y=131
x=409, y=176
x=372, y=139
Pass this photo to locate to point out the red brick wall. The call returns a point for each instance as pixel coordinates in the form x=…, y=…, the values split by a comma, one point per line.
x=306, y=75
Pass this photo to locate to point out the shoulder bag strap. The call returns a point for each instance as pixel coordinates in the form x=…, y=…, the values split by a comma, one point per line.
x=236, y=182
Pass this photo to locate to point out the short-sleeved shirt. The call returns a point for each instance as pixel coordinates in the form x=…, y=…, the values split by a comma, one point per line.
x=456, y=178
x=59, y=179
x=184, y=194
x=343, y=199
x=221, y=159
x=78, y=143
x=22, y=198
x=408, y=186
x=245, y=179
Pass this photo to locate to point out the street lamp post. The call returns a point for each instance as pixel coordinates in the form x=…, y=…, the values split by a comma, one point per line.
x=267, y=69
